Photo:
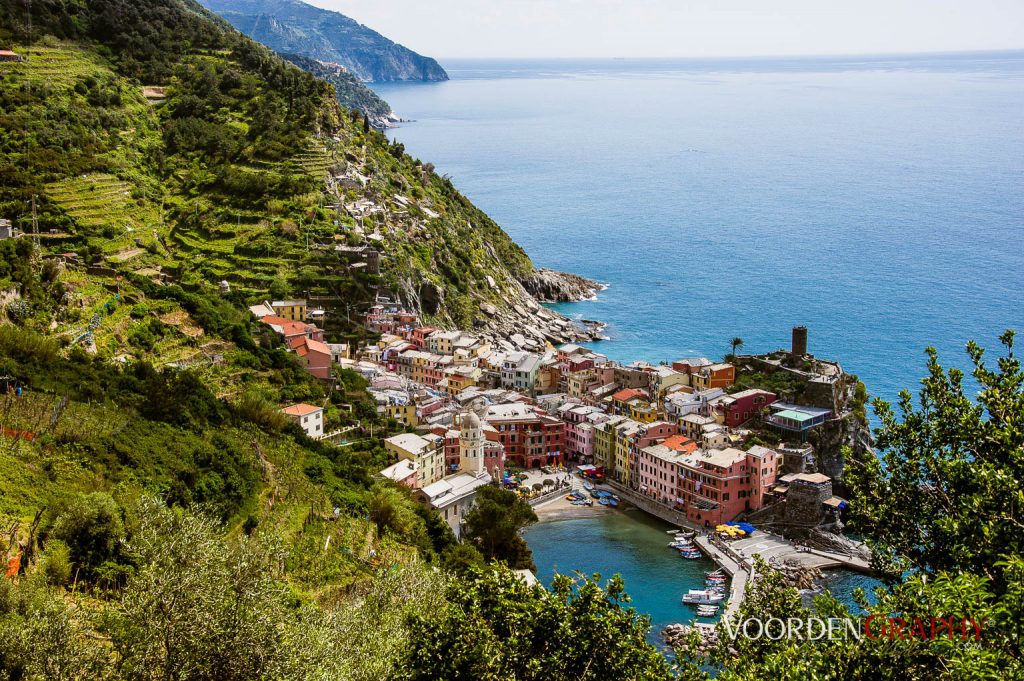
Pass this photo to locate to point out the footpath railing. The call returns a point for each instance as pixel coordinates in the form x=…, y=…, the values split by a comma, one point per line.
x=651, y=506
x=558, y=492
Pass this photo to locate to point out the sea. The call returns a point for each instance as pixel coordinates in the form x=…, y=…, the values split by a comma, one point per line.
x=877, y=200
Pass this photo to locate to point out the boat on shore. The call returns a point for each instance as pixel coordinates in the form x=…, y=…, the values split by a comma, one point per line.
x=702, y=597
x=588, y=486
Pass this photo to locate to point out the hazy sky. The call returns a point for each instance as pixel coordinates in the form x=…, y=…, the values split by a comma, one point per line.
x=713, y=28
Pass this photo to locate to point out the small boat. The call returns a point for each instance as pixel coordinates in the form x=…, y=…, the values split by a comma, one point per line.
x=604, y=502
x=594, y=494
x=707, y=610
x=702, y=597
x=716, y=573
x=613, y=502
x=691, y=556
x=681, y=545
x=588, y=486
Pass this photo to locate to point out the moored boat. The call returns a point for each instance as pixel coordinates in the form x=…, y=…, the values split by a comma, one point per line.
x=603, y=501
x=588, y=486
x=702, y=596
x=707, y=610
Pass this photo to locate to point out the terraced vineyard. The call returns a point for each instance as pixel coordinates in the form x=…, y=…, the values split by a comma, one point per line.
x=52, y=65
x=316, y=160
x=106, y=205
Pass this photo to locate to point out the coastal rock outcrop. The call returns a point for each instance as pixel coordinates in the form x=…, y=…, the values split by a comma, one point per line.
x=551, y=286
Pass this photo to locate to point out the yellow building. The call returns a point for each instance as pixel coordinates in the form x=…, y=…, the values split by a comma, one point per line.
x=577, y=383
x=644, y=412
x=403, y=413
x=295, y=310
x=604, y=443
x=624, y=431
x=427, y=451
x=461, y=377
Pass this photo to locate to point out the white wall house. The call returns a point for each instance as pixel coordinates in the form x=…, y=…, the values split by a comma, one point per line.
x=310, y=418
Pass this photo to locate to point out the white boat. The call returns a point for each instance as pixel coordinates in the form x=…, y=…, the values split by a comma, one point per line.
x=702, y=596
x=707, y=610
x=680, y=544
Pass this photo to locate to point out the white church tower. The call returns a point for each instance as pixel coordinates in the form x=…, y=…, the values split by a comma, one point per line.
x=471, y=445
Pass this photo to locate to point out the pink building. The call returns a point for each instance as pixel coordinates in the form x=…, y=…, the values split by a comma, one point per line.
x=715, y=486
x=580, y=420
x=316, y=357
x=657, y=473
x=646, y=435
x=738, y=408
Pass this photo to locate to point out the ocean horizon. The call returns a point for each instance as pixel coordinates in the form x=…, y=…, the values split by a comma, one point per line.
x=875, y=199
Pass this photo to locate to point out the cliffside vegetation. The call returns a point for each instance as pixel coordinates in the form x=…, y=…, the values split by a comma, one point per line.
x=351, y=93
x=212, y=160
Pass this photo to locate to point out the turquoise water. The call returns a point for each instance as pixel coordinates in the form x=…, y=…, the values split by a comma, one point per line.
x=630, y=543
x=633, y=544
x=878, y=201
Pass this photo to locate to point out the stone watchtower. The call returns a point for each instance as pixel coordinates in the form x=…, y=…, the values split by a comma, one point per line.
x=471, y=445
x=799, y=346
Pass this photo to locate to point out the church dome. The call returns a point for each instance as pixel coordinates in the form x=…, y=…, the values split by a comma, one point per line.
x=471, y=421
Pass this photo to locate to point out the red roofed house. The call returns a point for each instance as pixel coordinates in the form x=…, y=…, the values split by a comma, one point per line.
x=310, y=418
x=680, y=443
x=292, y=329
x=7, y=55
x=316, y=357
x=620, y=400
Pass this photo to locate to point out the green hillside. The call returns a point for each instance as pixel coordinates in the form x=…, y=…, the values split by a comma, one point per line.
x=352, y=94
x=215, y=160
x=159, y=518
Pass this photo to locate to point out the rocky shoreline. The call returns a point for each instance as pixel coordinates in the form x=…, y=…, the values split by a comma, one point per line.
x=551, y=286
x=525, y=324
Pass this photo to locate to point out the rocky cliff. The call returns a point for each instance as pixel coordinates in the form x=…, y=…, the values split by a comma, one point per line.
x=550, y=286
x=293, y=27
